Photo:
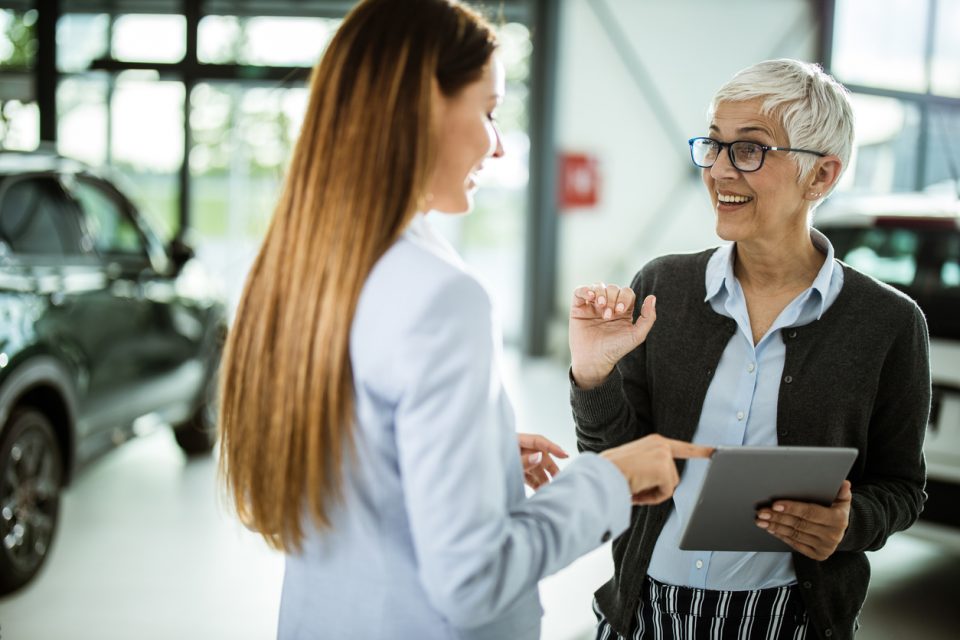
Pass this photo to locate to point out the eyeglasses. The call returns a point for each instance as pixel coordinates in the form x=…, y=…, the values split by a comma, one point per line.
x=744, y=156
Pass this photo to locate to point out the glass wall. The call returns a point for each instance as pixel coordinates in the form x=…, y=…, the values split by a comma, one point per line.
x=902, y=60
x=19, y=115
x=881, y=47
x=123, y=103
x=887, y=132
x=146, y=140
x=242, y=138
x=265, y=41
x=945, y=62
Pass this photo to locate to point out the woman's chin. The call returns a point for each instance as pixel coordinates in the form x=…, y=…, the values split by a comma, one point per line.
x=463, y=203
x=728, y=232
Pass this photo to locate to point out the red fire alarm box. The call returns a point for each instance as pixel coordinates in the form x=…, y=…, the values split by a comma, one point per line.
x=579, y=180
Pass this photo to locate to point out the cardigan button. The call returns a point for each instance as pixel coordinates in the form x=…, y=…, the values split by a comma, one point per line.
x=793, y=334
x=605, y=537
x=828, y=632
x=807, y=584
x=788, y=379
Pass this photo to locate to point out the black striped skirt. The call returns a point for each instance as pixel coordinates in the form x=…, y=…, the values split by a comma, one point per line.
x=667, y=612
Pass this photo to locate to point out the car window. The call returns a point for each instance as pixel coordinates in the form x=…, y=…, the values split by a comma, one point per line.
x=950, y=272
x=923, y=263
x=889, y=255
x=36, y=218
x=112, y=230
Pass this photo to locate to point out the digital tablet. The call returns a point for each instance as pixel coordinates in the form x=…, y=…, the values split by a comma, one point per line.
x=740, y=480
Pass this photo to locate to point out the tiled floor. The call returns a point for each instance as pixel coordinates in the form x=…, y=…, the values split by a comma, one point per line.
x=146, y=550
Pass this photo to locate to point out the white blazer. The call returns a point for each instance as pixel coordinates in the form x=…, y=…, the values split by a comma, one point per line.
x=435, y=537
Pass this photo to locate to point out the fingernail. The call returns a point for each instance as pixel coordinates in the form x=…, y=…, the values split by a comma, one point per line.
x=607, y=314
x=601, y=300
x=763, y=525
x=619, y=308
x=778, y=507
x=535, y=458
x=764, y=516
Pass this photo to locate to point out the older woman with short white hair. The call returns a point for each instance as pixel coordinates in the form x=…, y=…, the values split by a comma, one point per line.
x=766, y=340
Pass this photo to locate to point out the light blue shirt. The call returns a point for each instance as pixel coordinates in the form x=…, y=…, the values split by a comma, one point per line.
x=740, y=408
x=434, y=537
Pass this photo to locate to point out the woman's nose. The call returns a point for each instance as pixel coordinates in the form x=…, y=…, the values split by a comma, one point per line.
x=723, y=167
x=498, y=151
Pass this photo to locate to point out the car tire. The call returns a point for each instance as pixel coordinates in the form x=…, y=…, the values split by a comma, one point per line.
x=198, y=434
x=31, y=473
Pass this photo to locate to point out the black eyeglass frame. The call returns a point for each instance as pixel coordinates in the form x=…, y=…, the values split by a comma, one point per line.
x=763, y=152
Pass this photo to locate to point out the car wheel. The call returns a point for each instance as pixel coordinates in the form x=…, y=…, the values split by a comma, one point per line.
x=197, y=435
x=31, y=470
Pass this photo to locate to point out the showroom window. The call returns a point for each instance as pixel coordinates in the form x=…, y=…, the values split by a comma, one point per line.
x=196, y=107
x=901, y=60
x=19, y=115
x=265, y=41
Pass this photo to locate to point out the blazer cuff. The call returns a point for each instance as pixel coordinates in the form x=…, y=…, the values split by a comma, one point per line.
x=616, y=490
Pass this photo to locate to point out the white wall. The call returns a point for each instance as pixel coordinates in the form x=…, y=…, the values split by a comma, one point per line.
x=651, y=200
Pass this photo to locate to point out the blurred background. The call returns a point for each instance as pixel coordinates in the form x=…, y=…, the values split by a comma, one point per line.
x=190, y=108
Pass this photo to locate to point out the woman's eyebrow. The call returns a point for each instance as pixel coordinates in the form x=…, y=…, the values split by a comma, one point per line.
x=755, y=129
x=747, y=129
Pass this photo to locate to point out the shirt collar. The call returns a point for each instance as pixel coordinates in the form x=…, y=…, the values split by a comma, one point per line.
x=821, y=284
x=720, y=271
x=719, y=276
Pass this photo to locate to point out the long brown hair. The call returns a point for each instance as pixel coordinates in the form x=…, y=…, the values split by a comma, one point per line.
x=358, y=170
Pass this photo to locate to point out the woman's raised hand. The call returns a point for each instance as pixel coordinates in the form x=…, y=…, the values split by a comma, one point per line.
x=602, y=330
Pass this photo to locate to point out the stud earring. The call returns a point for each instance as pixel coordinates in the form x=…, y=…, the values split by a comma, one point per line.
x=816, y=194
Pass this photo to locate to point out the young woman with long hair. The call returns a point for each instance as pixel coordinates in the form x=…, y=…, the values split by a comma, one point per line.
x=365, y=431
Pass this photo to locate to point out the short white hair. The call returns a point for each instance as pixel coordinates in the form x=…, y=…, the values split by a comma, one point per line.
x=812, y=106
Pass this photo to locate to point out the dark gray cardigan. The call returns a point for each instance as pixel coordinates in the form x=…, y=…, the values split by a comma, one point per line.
x=858, y=377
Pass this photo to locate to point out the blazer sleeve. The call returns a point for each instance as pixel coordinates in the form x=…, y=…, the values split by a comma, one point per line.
x=890, y=494
x=618, y=410
x=477, y=549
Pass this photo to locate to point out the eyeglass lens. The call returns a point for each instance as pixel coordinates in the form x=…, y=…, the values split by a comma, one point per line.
x=745, y=156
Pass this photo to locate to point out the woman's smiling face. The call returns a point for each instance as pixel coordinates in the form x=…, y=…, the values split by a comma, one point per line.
x=766, y=204
x=467, y=135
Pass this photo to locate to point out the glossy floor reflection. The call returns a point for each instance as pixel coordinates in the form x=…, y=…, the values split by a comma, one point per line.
x=146, y=550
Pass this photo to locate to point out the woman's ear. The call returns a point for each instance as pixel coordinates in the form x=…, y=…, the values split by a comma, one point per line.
x=825, y=174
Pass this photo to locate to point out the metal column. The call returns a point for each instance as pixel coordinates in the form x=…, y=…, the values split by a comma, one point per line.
x=541, y=244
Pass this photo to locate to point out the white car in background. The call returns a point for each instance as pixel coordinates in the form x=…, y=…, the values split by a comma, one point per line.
x=912, y=242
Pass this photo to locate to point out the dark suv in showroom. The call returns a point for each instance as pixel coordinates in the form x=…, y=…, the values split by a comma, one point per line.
x=912, y=242
x=104, y=330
